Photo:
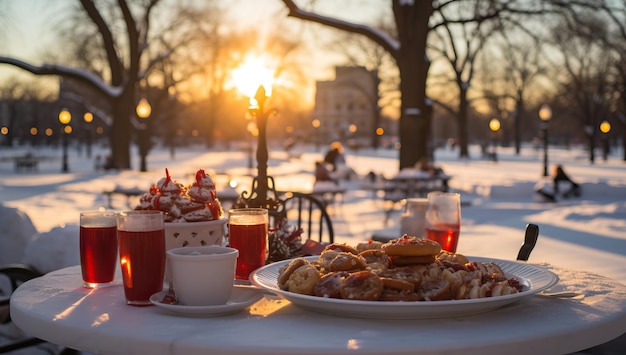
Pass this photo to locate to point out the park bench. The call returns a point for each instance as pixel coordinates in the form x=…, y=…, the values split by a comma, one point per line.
x=26, y=163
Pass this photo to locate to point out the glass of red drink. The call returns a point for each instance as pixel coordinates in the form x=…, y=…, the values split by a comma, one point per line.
x=443, y=219
x=142, y=254
x=247, y=232
x=98, y=248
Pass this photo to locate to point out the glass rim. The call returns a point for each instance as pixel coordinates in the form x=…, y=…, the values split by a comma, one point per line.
x=95, y=213
x=443, y=193
x=252, y=210
x=140, y=213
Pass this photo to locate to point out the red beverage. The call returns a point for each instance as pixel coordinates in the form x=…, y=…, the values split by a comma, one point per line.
x=446, y=235
x=142, y=260
x=251, y=241
x=98, y=255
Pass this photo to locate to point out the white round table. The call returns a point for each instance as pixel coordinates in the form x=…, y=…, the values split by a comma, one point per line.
x=56, y=308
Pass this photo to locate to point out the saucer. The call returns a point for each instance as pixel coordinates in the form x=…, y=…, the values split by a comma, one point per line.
x=240, y=298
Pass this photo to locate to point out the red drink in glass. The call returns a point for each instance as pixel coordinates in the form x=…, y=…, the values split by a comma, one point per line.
x=251, y=241
x=142, y=259
x=446, y=235
x=247, y=232
x=98, y=248
x=142, y=254
x=443, y=219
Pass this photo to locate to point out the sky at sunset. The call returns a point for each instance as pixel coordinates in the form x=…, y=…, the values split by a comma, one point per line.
x=30, y=25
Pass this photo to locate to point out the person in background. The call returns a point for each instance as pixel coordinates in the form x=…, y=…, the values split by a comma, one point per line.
x=335, y=156
x=322, y=173
x=561, y=178
x=426, y=166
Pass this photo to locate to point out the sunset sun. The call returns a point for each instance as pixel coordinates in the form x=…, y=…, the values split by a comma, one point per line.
x=250, y=74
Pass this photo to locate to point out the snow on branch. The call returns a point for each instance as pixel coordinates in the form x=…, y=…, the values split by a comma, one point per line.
x=59, y=70
x=378, y=36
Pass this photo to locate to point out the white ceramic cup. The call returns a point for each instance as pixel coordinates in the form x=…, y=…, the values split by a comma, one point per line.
x=202, y=276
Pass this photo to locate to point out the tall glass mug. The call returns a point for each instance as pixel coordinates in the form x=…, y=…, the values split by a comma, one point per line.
x=142, y=254
x=443, y=219
x=98, y=248
x=247, y=232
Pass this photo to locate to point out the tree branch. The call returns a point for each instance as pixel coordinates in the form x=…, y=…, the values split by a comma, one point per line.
x=383, y=39
x=117, y=73
x=58, y=70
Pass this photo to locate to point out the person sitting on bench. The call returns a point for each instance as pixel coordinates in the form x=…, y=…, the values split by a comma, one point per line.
x=561, y=177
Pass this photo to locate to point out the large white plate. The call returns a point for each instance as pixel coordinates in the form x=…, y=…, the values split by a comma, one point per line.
x=535, y=279
x=240, y=298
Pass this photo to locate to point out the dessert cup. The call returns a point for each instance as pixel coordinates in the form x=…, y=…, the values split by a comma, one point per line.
x=194, y=234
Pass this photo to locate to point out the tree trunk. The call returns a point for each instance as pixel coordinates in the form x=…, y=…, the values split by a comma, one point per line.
x=517, y=122
x=413, y=64
x=415, y=115
x=462, y=121
x=121, y=130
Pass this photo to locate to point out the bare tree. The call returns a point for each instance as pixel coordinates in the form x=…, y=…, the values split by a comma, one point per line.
x=458, y=43
x=612, y=14
x=508, y=76
x=126, y=61
x=413, y=21
x=585, y=82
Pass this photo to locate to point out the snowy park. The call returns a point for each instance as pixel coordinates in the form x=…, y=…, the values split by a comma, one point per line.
x=586, y=232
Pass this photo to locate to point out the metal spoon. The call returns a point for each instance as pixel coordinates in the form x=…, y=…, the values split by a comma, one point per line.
x=563, y=294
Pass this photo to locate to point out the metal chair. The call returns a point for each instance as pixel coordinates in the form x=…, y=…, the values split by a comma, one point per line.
x=17, y=274
x=309, y=213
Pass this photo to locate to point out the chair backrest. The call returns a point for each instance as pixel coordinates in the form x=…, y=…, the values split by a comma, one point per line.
x=308, y=213
x=16, y=274
x=530, y=239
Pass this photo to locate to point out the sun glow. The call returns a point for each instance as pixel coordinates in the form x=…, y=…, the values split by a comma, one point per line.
x=252, y=73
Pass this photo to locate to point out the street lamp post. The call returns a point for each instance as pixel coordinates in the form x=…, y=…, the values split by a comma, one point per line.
x=252, y=132
x=494, y=126
x=65, y=117
x=143, y=111
x=263, y=193
x=88, y=117
x=545, y=114
x=316, y=123
x=605, y=128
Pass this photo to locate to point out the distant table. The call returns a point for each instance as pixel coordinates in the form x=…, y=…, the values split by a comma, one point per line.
x=57, y=309
x=416, y=183
x=126, y=192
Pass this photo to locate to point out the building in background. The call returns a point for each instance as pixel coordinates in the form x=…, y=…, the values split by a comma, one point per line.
x=346, y=109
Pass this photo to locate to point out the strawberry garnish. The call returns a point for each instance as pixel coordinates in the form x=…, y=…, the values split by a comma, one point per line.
x=200, y=175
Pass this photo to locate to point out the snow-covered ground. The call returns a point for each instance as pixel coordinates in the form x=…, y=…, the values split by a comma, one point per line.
x=587, y=232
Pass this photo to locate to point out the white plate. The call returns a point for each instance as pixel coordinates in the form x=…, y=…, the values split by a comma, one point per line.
x=241, y=298
x=535, y=279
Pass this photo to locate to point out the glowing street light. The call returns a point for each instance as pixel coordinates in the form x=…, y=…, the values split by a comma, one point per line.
x=545, y=114
x=65, y=117
x=605, y=127
x=143, y=108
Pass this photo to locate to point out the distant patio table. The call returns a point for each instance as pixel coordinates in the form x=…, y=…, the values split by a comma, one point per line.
x=415, y=182
x=56, y=308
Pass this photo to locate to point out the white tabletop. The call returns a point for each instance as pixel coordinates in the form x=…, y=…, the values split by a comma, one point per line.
x=56, y=308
